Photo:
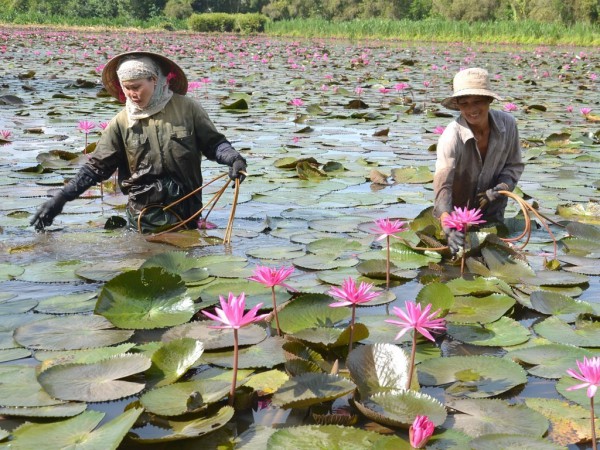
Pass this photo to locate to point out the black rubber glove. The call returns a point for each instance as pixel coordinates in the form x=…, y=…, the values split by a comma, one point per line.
x=44, y=216
x=236, y=169
x=491, y=195
x=48, y=211
x=455, y=239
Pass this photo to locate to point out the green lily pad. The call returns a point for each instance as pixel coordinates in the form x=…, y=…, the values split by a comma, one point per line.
x=322, y=262
x=334, y=246
x=95, y=382
x=578, y=396
x=570, y=424
x=555, y=278
x=145, y=298
x=479, y=286
x=284, y=252
x=173, y=359
x=480, y=417
x=377, y=270
x=77, y=431
x=106, y=270
x=438, y=295
x=179, y=263
x=472, y=376
x=86, y=356
x=310, y=389
x=333, y=437
x=267, y=353
x=378, y=368
x=585, y=333
x=64, y=410
x=311, y=311
x=503, y=332
x=17, y=307
x=267, y=382
x=400, y=408
x=558, y=305
x=503, y=265
x=175, y=430
x=9, y=271
x=334, y=337
x=488, y=309
x=64, y=333
x=19, y=387
x=495, y=441
x=416, y=175
x=51, y=272
x=550, y=360
x=189, y=396
x=12, y=354
x=216, y=338
x=77, y=302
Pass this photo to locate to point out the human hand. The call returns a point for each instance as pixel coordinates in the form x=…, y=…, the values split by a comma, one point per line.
x=48, y=211
x=455, y=239
x=237, y=171
x=491, y=195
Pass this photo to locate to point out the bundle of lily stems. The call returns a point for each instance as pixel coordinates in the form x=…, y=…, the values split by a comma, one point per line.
x=212, y=202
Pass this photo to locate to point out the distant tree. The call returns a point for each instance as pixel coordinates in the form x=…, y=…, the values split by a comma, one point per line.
x=178, y=9
x=466, y=10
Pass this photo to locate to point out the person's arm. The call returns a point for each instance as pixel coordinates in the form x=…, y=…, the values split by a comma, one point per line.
x=443, y=177
x=217, y=148
x=100, y=167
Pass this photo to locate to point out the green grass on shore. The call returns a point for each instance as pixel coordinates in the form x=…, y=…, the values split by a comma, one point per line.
x=430, y=30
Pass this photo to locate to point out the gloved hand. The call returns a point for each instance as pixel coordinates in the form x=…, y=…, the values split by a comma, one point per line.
x=491, y=195
x=455, y=239
x=48, y=211
x=236, y=169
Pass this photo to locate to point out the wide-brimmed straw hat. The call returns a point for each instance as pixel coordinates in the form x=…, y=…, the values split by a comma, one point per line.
x=472, y=81
x=177, y=80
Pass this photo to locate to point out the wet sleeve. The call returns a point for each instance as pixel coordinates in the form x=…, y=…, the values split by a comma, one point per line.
x=513, y=168
x=209, y=139
x=443, y=177
x=108, y=155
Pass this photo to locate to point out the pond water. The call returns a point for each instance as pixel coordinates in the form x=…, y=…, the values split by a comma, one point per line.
x=50, y=81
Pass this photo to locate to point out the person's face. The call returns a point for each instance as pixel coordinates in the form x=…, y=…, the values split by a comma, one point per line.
x=139, y=91
x=474, y=108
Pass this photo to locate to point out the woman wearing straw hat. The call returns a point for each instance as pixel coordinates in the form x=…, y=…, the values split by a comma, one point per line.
x=478, y=154
x=156, y=143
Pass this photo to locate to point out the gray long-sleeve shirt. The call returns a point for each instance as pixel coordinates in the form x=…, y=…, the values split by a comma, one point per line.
x=460, y=173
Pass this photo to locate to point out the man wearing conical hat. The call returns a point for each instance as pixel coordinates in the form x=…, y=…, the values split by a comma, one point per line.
x=156, y=143
x=478, y=154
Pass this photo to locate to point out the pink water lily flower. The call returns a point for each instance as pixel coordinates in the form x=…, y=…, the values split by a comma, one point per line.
x=420, y=431
x=351, y=294
x=585, y=111
x=590, y=375
x=419, y=320
x=296, y=102
x=271, y=277
x=461, y=218
x=5, y=134
x=387, y=227
x=416, y=319
x=231, y=314
x=510, y=107
x=86, y=126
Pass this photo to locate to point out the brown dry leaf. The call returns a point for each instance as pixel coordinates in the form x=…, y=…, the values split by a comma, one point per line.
x=378, y=178
x=383, y=132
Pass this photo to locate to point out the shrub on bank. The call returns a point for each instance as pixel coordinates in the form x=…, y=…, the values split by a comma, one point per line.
x=222, y=22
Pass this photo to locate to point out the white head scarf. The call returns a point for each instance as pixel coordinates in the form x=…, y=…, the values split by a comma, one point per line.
x=139, y=67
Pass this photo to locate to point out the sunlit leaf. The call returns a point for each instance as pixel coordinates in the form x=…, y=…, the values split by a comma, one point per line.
x=145, y=298
x=95, y=382
x=310, y=389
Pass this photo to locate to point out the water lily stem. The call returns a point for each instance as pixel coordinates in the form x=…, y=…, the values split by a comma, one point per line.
x=387, y=264
x=594, y=443
x=352, y=328
x=411, y=366
x=275, y=310
x=235, y=367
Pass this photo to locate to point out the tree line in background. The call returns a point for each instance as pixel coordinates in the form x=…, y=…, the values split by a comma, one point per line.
x=568, y=12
